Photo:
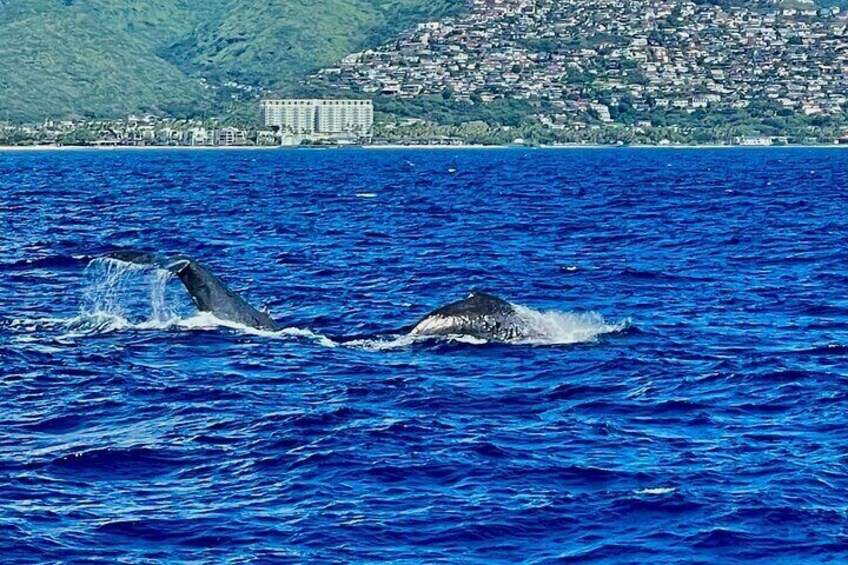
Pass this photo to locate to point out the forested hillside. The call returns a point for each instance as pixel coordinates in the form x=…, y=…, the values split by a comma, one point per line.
x=106, y=58
x=64, y=58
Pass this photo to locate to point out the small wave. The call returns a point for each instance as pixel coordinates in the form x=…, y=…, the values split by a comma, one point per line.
x=657, y=276
x=207, y=321
x=829, y=349
x=655, y=491
x=110, y=463
x=100, y=322
x=403, y=341
x=308, y=334
x=666, y=500
x=97, y=323
x=53, y=262
x=385, y=344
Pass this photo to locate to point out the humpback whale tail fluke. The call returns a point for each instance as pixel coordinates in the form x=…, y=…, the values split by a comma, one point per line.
x=208, y=292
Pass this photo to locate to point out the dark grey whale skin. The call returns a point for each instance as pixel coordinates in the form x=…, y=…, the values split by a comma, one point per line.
x=480, y=315
x=208, y=292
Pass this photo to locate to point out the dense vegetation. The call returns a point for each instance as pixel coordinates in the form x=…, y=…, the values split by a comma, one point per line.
x=67, y=58
x=106, y=58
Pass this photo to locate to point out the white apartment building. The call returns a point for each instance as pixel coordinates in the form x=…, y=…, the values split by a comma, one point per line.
x=230, y=136
x=196, y=136
x=310, y=118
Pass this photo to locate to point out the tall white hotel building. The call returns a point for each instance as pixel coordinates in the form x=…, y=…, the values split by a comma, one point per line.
x=313, y=118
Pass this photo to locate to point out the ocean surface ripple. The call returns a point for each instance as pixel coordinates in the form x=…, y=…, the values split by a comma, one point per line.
x=690, y=404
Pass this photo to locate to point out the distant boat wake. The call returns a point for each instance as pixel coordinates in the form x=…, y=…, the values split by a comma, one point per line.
x=133, y=296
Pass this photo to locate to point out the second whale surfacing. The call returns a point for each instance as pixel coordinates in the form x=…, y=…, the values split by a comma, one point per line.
x=479, y=315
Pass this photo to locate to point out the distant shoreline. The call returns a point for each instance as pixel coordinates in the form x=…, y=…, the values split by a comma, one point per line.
x=602, y=146
x=36, y=148
x=76, y=148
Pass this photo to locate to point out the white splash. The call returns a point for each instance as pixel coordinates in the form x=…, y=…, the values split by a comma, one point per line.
x=564, y=328
x=385, y=344
x=207, y=321
x=158, y=299
x=404, y=341
x=117, y=289
x=121, y=296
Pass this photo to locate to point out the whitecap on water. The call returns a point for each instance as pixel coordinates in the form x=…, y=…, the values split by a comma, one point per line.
x=389, y=343
x=205, y=320
x=403, y=341
x=656, y=491
x=308, y=334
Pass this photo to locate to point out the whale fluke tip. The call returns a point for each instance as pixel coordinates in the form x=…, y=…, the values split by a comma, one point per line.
x=173, y=264
x=133, y=256
x=178, y=266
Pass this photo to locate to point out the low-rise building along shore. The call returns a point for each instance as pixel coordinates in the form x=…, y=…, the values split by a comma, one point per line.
x=135, y=131
x=138, y=131
x=152, y=131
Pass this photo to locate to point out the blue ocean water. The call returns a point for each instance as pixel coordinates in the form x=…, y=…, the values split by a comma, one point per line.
x=689, y=406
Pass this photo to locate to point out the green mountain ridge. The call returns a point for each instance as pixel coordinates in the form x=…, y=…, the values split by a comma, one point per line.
x=63, y=61
x=106, y=58
x=282, y=39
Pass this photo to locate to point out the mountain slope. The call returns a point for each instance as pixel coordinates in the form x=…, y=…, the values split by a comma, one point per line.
x=106, y=58
x=275, y=42
x=61, y=58
x=109, y=57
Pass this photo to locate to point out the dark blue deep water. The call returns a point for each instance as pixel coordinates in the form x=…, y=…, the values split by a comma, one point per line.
x=691, y=403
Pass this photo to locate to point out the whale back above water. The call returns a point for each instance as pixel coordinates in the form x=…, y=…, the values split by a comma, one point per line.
x=480, y=315
x=208, y=292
